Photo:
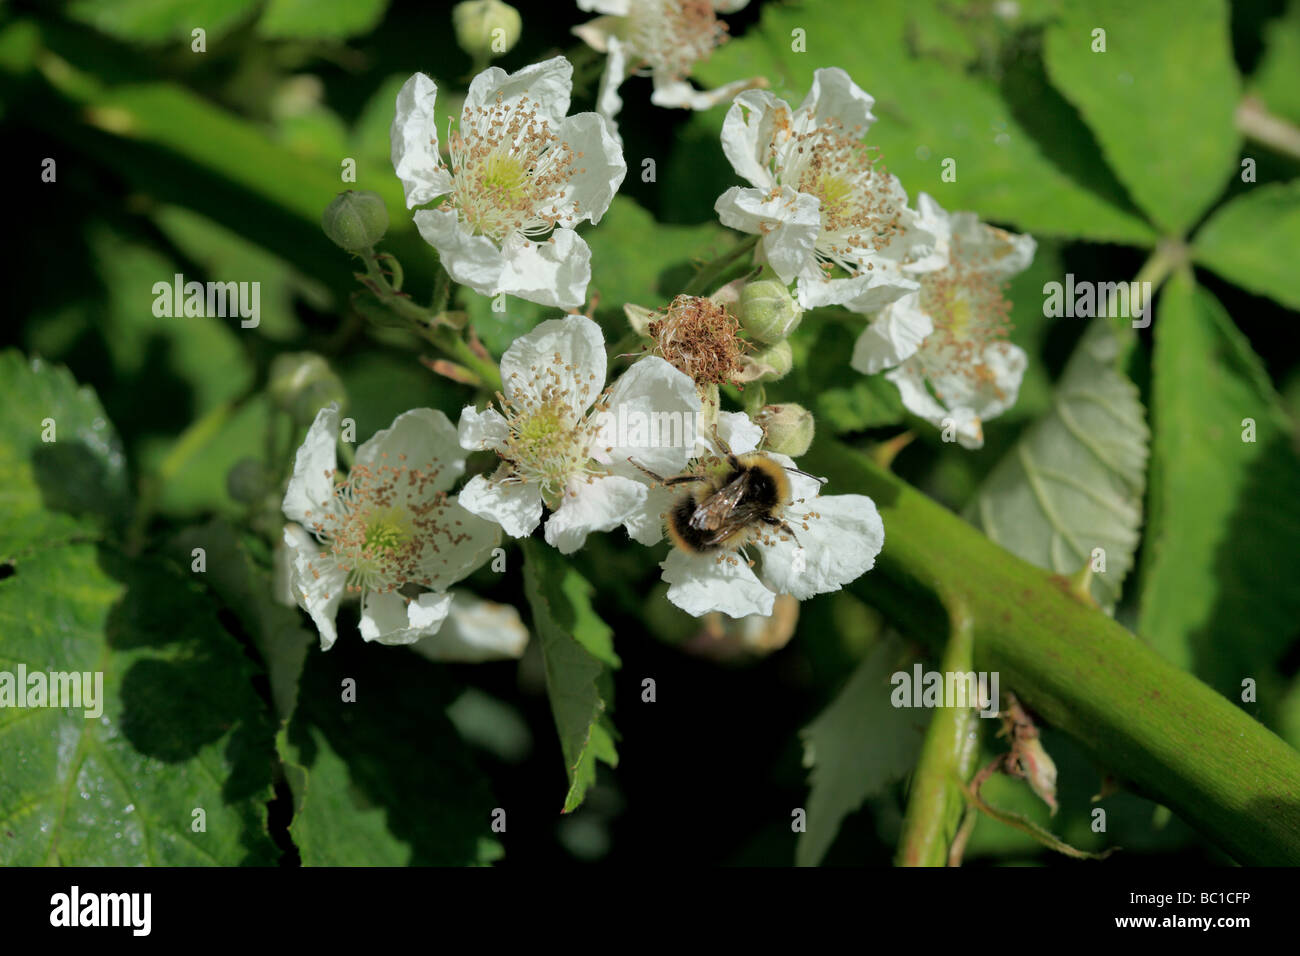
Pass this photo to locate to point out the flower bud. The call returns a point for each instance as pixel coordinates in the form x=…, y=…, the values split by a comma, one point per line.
x=767, y=311
x=355, y=220
x=302, y=383
x=788, y=428
x=247, y=480
x=485, y=28
x=768, y=365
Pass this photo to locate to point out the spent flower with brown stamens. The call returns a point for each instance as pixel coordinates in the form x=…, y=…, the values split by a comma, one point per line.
x=699, y=337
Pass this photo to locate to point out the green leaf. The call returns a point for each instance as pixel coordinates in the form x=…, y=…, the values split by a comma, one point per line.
x=243, y=587
x=1274, y=80
x=856, y=747
x=927, y=113
x=384, y=780
x=578, y=653
x=1074, y=482
x=1217, y=597
x=181, y=730
x=1160, y=99
x=157, y=21
x=311, y=19
x=74, y=487
x=1252, y=241
x=822, y=381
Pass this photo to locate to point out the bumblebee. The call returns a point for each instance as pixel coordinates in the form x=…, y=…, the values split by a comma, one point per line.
x=729, y=507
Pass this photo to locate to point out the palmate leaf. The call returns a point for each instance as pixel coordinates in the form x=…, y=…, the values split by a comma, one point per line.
x=1074, y=481
x=1165, y=127
x=1252, y=241
x=182, y=728
x=1219, y=595
x=926, y=113
x=579, y=656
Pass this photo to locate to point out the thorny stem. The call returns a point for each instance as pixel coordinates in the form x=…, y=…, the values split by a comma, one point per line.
x=1157, y=728
x=712, y=270
x=935, y=805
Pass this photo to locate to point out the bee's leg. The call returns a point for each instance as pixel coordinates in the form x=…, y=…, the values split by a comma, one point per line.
x=666, y=482
x=781, y=525
x=723, y=447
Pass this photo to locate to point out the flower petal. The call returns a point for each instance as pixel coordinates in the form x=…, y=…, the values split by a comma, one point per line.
x=615, y=8
x=547, y=85
x=596, y=175
x=311, y=489
x=390, y=618
x=480, y=431
x=466, y=545
x=515, y=506
x=701, y=583
x=423, y=439
x=836, y=541
x=598, y=504
x=892, y=337
x=554, y=272
x=471, y=260
x=671, y=91
x=568, y=354
x=414, y=138
x=748, y=131
x=652, y=416
x=834, y=97
x=318, y=585
x=789, y=222
x=474, y=631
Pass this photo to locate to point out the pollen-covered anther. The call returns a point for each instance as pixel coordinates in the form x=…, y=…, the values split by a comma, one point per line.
x=385, y=527
x=970, y=310
x=509, y=170
x=699, y=337
x=673, y=35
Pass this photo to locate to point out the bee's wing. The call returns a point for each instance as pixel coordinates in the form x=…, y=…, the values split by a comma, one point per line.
x=712, y=513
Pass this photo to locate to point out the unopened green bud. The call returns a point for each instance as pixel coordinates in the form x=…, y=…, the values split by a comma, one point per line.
x=302, y=383
x=767, y=365
x=247, y=480
x=788, y=429
x=485, y=28
x=355, y=220
x=767, y=311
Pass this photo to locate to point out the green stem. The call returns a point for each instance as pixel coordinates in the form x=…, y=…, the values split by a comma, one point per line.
x=712, y=270
x=190, y=441
x=425, y=322
x=935, y=805
x=1156, y=727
